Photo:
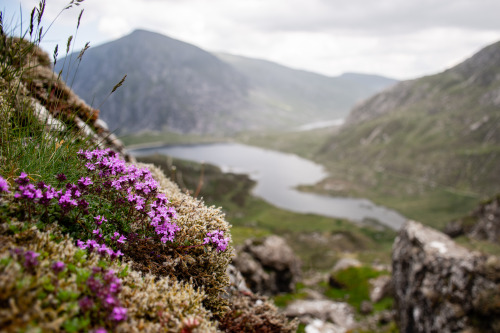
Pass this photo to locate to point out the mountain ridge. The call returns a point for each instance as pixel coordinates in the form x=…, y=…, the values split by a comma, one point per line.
x=175, y=86
x=439, y=132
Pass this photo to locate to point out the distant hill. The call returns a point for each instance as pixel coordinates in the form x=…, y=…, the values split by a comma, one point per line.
x=439, y=131
x=175, y=86
x=306, y=95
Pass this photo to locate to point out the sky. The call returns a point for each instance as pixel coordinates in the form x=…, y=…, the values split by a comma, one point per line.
x=401, y=39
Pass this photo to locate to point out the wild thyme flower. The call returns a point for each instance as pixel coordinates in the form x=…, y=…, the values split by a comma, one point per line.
x=100, y=219
x=119, y=314
x=66, y=202
x=61, y=177
x=22, y=179
x=28, y=191
x=85, y=304
x=58, y=267
x=4, y=185
x=128, y=186
x=90, y=166
x=84, y=182
x=30, y=259
x=99, y=330
x=121, y=240
x=217, y=237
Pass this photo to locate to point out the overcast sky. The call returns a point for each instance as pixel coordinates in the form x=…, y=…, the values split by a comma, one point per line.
x=402, y=39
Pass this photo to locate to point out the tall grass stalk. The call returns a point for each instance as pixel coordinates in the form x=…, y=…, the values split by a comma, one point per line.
x=26, y=144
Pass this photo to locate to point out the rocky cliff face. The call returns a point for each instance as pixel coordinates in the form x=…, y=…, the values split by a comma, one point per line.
x=442, y=287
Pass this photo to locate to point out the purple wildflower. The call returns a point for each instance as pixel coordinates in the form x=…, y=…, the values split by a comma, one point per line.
x=102, y=250
x=119, y=314
x=58, y=267
x=114, y=287
x=30, y=259
x=41, y=185
x=4, y=185
x=84, y=182
x=92, y=244
x=116, y=254
x=217, y=237
x=22, y=179
x=61, y=177
x=122, y=239
x=86, y=303
x=100, y=219
x=66, y=201
x=90, y=166
x=109, y=300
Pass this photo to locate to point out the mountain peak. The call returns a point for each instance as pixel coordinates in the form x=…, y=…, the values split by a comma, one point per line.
x=483, y=67
x=175, y=86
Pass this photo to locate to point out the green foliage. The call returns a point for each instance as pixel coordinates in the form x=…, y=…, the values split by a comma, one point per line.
x=283, y=300
x=355, y=286
x=25, y=142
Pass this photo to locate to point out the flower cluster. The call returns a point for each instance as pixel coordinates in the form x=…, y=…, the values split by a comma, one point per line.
x=29, y=258
x=98, y=290
x=102, y=288
x=4, y=185
x=217, y=237
x=111, y=190
x=128, y=186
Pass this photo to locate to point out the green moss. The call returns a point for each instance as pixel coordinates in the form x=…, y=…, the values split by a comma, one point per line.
x=355, y=285
x=285, y=299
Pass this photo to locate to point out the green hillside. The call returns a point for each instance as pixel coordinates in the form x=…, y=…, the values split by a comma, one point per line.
x=438, y=134
x=429, y=147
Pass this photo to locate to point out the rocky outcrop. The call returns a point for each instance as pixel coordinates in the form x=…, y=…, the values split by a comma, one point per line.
x=269, y=266
x=323, y=315
x=380, y=287
x=440, y=286
x=345, y=263
x=483, y=223
x=56, y=105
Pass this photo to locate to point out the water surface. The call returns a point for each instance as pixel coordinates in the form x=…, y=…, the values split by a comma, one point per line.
x=277, y=174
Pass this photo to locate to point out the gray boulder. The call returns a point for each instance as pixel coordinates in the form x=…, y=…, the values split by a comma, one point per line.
x=312, y=312
x=269, y=266
x=380, y=287
x=440, y=286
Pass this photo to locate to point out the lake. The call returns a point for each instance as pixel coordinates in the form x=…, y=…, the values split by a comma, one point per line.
x=277, y=175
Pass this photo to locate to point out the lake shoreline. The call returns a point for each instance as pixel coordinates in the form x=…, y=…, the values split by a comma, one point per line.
x=277, y=185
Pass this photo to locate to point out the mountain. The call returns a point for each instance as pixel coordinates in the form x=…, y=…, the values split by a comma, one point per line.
x=306, y=94
x=440, y=131
x=169, y=85
x=175, y=86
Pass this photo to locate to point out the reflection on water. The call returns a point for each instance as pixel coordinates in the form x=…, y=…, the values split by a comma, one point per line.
x=277, y=174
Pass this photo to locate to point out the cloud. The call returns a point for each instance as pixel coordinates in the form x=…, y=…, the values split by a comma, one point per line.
x=382, y=16
x=398, y=38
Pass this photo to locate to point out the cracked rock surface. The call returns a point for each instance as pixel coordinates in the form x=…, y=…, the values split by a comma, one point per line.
x=440, y=286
